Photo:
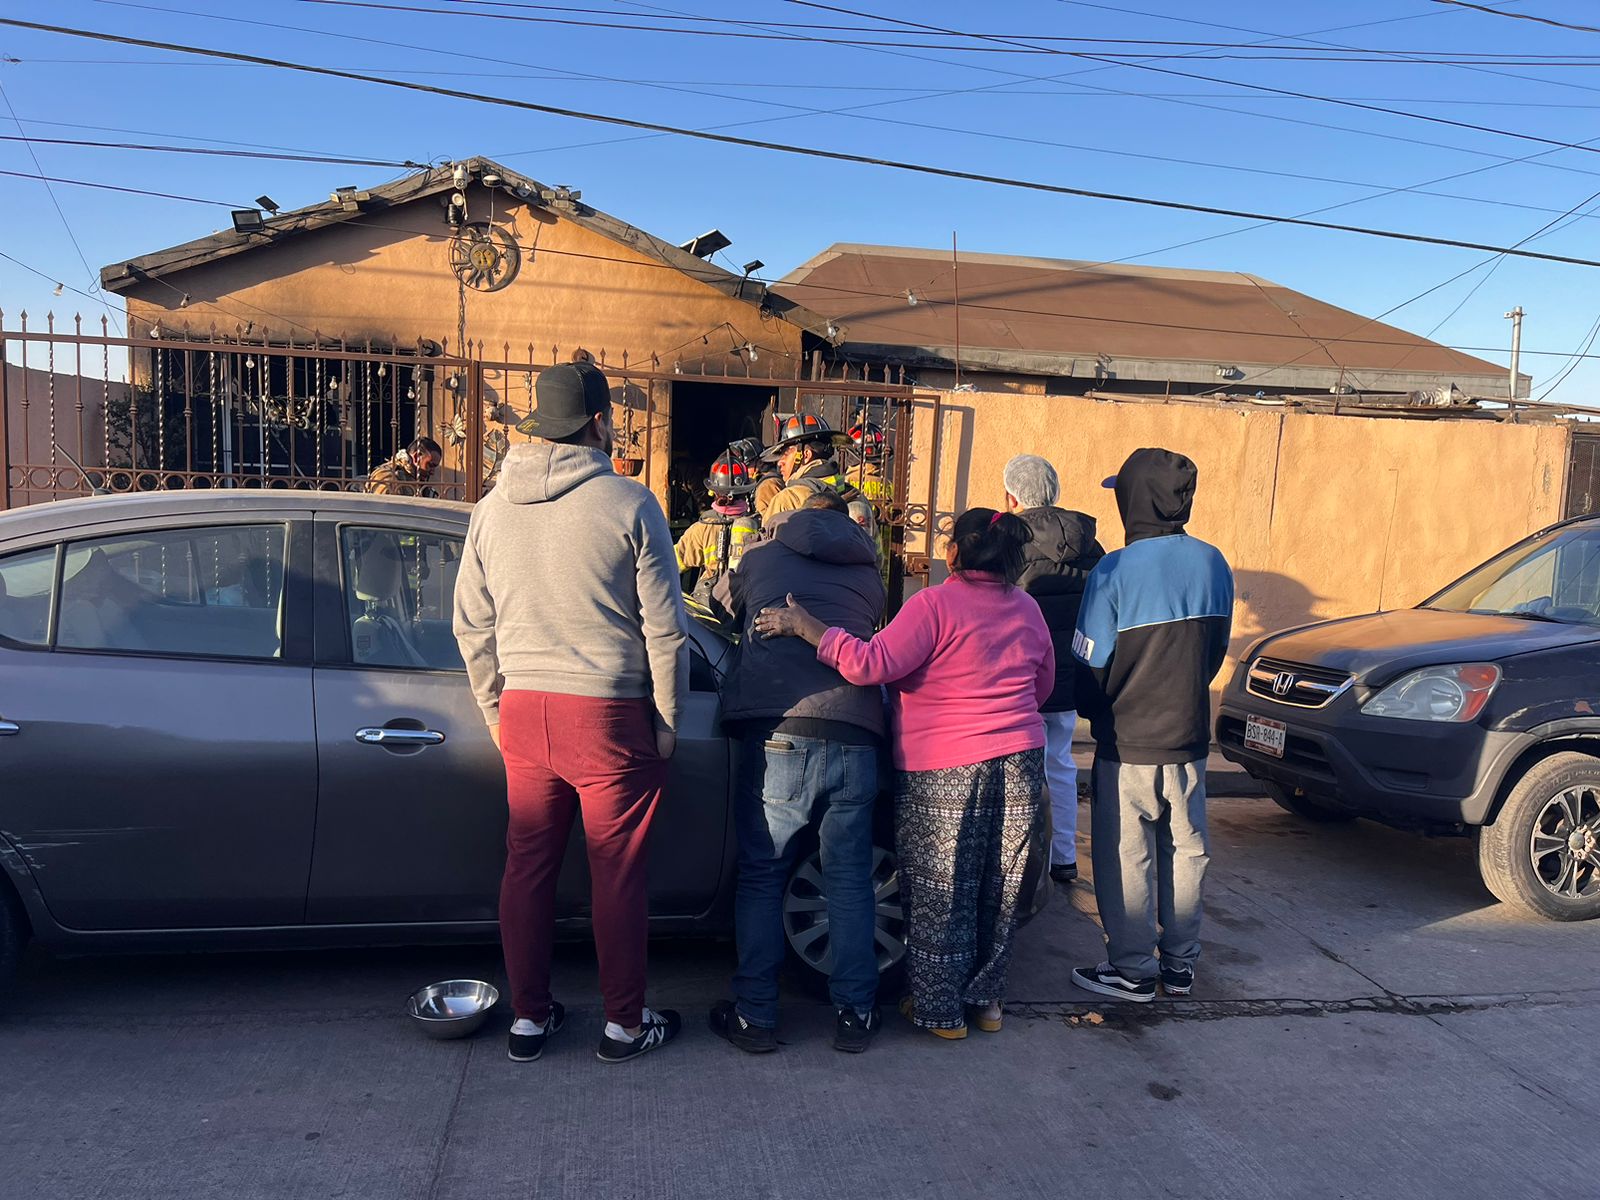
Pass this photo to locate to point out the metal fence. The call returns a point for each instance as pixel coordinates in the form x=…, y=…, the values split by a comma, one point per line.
x=83, y=411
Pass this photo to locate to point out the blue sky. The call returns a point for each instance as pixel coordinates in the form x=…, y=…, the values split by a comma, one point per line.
x=1050, y=117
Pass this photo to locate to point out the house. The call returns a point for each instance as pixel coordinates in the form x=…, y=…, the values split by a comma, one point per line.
x=1004, y=322
x=469, y=260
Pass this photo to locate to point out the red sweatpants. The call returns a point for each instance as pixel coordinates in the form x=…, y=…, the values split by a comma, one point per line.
x=563, y=753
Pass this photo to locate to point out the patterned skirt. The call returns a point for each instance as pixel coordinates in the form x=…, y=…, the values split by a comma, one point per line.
x=962, y=837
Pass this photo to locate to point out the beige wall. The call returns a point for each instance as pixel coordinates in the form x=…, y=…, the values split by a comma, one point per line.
x=1320, y=516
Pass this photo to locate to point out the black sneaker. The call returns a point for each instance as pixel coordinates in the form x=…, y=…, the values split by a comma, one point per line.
x=1177, y=981
x=1064, y=872
x=728, y=1025
x=527, y=1047
x=659, y=1028
x=852, y=1033
x=1109, y=981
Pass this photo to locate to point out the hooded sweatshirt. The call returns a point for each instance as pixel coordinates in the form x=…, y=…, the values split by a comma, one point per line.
x=1055, y=567
x=830, y=565
x=1154, y=626
x=568, y=584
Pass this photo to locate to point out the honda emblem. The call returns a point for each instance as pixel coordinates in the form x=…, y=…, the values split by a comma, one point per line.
x=1283, y=683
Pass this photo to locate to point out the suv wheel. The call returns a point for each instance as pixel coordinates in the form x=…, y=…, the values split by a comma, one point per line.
x=1302, y=805
x=1542, y=854
x=805, y=917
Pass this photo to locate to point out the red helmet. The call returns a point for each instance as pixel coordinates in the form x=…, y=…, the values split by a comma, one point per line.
x=730, y=477
x=869, y=441
x=800, y=428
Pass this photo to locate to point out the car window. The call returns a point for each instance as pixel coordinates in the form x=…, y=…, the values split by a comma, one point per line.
x=399, y=595
x=212, y=592
x=1555, y=577
x=26, y=581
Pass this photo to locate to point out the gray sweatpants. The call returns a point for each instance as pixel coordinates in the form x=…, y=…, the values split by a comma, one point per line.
x=1149, y=849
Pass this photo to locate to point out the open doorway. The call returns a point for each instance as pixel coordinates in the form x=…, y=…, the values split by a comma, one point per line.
x=705, y=418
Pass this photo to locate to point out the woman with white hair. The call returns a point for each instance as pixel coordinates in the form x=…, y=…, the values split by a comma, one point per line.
x=1056, y=564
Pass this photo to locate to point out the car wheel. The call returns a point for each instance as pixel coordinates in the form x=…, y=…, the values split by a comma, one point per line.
x=805, y=918
x=1302, y=805
x=1542, y=854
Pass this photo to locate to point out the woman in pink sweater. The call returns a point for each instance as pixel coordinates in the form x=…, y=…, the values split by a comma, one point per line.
x=967, y=665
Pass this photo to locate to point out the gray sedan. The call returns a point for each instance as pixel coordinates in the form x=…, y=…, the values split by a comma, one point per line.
x=239, y=718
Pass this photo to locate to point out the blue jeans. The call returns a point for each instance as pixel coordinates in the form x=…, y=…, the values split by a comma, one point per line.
x=786, y=786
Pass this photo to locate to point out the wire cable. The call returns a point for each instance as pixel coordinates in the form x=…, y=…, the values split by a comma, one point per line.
x=1255, y=87
x=786, y=148
x=94, y=279
x=1500, y=12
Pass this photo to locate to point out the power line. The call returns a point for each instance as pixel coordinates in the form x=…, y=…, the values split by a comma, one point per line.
x=1500, y=12
x=17, y=262
x=54, y=200
x=1309, y=53
x=132, y=191
x=1255, y=87
x=786, y=148
x=855, y=110
x=213, y=152
x=354, y=161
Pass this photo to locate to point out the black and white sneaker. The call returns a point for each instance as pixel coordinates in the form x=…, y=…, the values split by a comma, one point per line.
x=1109, y=981
x=526, y=1041
x=852, y=1033
x=730, y=1025
x=1064, y=872
x=1177, y=981
x=658, y=1028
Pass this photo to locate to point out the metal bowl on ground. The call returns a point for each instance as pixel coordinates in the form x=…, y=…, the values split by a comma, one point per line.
x=455, y=1008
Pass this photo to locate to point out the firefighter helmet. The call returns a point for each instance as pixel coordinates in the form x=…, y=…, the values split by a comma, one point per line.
x=801, y=428
x=869, y=442
x=748, y=451
x=730, y=477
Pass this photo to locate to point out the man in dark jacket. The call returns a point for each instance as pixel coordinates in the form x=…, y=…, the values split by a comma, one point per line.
x=1152, y=633
x=809, y=761
x=1056, y=564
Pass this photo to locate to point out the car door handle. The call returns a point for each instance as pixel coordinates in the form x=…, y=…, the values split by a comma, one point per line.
x=9, y=729
x=399, y=737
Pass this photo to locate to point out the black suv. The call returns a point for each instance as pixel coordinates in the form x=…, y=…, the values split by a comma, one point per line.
x=1476, y=712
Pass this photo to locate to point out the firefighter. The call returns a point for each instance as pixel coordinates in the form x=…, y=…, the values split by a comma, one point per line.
x=407, y=471
x=807, y=459
x=716, y=542
x=871, y=453
x=768, y=482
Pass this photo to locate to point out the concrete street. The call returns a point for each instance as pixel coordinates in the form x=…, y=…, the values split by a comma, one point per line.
x=1368, y=1023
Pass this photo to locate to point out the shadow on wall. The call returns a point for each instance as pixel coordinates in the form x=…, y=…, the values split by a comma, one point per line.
x=954, y=463
x=1267, y=602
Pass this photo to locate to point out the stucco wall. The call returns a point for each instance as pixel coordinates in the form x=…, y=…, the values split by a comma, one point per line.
x=1320, y=516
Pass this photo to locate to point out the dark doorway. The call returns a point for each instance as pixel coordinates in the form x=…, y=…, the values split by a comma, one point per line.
x=705, y=418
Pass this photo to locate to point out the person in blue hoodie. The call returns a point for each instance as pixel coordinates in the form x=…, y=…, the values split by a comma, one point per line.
x=1152, y=634
x=808, y=763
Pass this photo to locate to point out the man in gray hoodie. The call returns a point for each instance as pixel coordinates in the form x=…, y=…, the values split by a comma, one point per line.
x=808, y=762
x=571, y=622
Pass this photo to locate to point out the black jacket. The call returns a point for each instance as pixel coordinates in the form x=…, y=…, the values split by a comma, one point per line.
x=1154, y=625
x=1056, y=565
x=830, y=566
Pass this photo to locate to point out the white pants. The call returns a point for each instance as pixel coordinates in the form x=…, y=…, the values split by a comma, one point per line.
x=1061, y=774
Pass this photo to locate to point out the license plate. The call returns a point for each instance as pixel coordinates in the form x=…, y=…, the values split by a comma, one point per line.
x=1265, y=735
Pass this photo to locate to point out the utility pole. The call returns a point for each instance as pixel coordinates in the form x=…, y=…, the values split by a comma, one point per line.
x=1515, y=317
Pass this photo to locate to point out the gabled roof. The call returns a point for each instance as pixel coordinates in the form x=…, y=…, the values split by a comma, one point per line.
x=1044, y=316
x=121, y=277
